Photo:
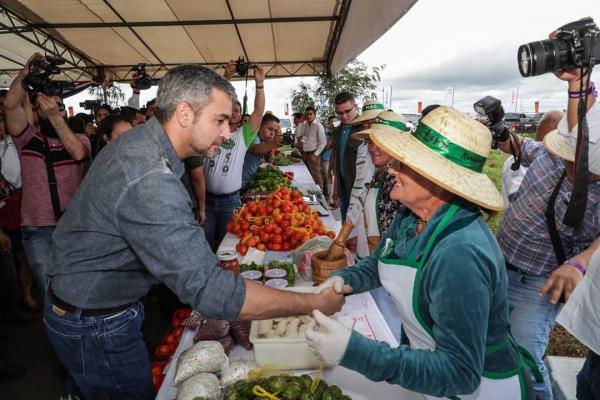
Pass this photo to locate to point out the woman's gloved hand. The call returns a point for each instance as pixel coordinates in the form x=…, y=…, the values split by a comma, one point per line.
x=335, y=282
x=331, y=345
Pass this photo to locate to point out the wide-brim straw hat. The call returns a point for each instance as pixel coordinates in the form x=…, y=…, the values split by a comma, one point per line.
x=562, y=144
x=450, y=149
x=384, y=120
x=369, y=111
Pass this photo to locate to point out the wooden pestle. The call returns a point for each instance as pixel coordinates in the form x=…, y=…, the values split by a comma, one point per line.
x=336, y=250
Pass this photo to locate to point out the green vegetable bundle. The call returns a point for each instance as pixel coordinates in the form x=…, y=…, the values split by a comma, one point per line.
x=251, y=267
x=285, y=387
x=281, y=160
x=268, y=179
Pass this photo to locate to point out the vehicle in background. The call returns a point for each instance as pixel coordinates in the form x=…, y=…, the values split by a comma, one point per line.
x=286, y=130
x=519, y=122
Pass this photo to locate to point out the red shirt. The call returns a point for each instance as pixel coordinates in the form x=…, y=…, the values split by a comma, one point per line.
x=36, y=208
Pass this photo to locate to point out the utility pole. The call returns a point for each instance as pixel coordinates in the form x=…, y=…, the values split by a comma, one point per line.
x=517, y=101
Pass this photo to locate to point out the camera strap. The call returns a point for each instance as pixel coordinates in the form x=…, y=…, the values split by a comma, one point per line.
x=578, y=204
x=559, y=250
x=52, y=181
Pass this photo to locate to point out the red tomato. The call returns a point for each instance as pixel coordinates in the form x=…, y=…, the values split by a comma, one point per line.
x=244, y=226
x=243, y=249
x=251, y=242
x=276, y=247
x=177, y=322
x=261, y=246
x=277, y=230
x=284, y=224
x=163, y=350
x=286, y=246
x=331, y=234
x=252, y=208
x=277, y=239
x=171, y=338
x=157, y=381
x=264, y=237
x=278, y=218
x=276, y=203
x=157, y=370
x=178, y=331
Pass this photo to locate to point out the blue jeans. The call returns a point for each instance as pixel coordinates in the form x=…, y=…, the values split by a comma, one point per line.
x=588, y=379
x=531, y=321
x=218, y=212
x=105, y=355
x=37, y=241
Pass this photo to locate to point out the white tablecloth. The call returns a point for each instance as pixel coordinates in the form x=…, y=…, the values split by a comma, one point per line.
x=357, y=306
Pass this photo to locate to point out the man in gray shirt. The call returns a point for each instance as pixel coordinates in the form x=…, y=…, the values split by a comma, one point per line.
x=129, y=226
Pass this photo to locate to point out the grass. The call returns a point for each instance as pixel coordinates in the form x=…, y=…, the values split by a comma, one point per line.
x=561, y=343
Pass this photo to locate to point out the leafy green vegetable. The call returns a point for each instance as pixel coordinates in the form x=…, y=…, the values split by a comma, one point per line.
x=251, y=267
x=268, y=179
x=287, y=266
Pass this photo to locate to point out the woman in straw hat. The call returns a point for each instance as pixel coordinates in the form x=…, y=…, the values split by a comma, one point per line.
x=376, y=209
x=442, y=266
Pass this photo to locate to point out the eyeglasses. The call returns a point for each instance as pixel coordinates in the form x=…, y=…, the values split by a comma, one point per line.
x=348, y=111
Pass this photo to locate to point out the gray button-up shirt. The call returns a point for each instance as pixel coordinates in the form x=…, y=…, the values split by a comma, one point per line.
x=130, y=225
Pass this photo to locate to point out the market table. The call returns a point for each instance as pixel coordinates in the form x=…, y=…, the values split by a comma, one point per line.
x=361, y=308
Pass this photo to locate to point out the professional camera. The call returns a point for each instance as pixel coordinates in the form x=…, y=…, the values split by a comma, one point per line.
x=90, y=105
x=288, y=137
x=491, y=108
x=143, y=81
x=38, y=77
x=577, y=44
x=242, y=66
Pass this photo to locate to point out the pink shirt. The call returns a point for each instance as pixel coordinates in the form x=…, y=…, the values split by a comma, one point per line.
x=36, y=208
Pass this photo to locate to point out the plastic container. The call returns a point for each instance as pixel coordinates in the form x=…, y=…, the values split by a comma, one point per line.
x=276, y=283
x=284, y=353
x=275, y=273
x=228, y=260
x=252, y=275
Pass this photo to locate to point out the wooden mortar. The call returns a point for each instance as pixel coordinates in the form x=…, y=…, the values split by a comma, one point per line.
x=324, y=263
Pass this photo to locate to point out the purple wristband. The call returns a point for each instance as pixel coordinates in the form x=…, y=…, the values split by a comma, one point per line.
x=576, y=94
x=575, y=264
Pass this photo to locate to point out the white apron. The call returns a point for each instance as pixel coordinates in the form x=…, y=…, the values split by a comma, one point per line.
x=368, y=225
x=401, y=279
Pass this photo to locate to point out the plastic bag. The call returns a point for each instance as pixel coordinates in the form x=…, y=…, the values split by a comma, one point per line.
x=240, y=330
x=201, y=385
x=301, y=256
x=206, y=356
x=237, y=371
x=212, y=329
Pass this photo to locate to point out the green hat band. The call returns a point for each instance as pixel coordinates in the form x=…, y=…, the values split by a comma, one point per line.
x=375, y=106
x=450, y=151
x=394, y=124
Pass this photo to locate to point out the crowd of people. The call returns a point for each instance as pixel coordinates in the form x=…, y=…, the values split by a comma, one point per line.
x=99, y=209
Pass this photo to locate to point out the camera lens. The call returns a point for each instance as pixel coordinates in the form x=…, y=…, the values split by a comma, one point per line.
x=537, y=58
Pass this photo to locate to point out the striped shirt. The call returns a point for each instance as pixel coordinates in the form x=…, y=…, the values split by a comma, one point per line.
x=523, y=234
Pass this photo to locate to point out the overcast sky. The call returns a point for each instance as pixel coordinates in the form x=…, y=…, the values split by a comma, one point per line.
x=468, y=45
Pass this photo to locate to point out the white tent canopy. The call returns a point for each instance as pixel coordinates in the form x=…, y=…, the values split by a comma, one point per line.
x=288, y=37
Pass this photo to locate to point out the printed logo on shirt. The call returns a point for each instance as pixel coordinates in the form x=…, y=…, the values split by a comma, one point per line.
x=228, y=144
x=388, y=247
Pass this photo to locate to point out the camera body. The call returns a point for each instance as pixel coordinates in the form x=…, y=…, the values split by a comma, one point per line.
x=90, y=105
x=288, y=137
x=143, y=81
x=576, y=45
x=491, y=108
x=242, y=66
x=38, y=78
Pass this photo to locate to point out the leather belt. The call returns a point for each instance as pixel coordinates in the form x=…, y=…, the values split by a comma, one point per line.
x=220, y=196
x=92, y=312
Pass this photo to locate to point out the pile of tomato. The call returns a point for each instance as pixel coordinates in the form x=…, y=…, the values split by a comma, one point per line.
x=280, y=222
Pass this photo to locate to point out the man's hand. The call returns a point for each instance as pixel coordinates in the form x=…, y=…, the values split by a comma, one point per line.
x=562, y=282
x=5, y=243
x=201, y=217
x=48, y=106
x=259, y=74
x=327, y=338
x=34, y=56
x=229, y=70
x=329, y=302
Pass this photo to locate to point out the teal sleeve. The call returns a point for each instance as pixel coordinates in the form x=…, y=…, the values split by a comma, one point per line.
x=248, y=134
x=364, y=275
x=458, y=296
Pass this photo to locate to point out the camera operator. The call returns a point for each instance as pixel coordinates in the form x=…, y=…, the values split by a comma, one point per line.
x=223, y=173
x=525, y=235
x=51, y=168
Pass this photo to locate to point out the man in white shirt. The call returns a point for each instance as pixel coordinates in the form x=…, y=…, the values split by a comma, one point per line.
x=223, y=173
x=312, y=141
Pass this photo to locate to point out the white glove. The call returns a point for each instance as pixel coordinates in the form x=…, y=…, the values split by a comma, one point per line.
x=335, y=282
x=331, y=345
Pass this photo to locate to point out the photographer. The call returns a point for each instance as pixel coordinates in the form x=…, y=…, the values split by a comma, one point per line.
x=525, y=235
x=51, y=167
x=223, y=173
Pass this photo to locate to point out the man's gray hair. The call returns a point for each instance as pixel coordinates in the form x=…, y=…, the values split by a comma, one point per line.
x=190, y=83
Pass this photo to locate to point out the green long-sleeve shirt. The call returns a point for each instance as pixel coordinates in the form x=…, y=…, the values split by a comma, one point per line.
x=462, y=292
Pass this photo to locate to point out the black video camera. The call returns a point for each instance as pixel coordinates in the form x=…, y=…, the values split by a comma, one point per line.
x=143, y=81
x=38, y=77
x=288, y=137
x=90, y=105
x=242, y=66
x=577, y=44
x=491, y=108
